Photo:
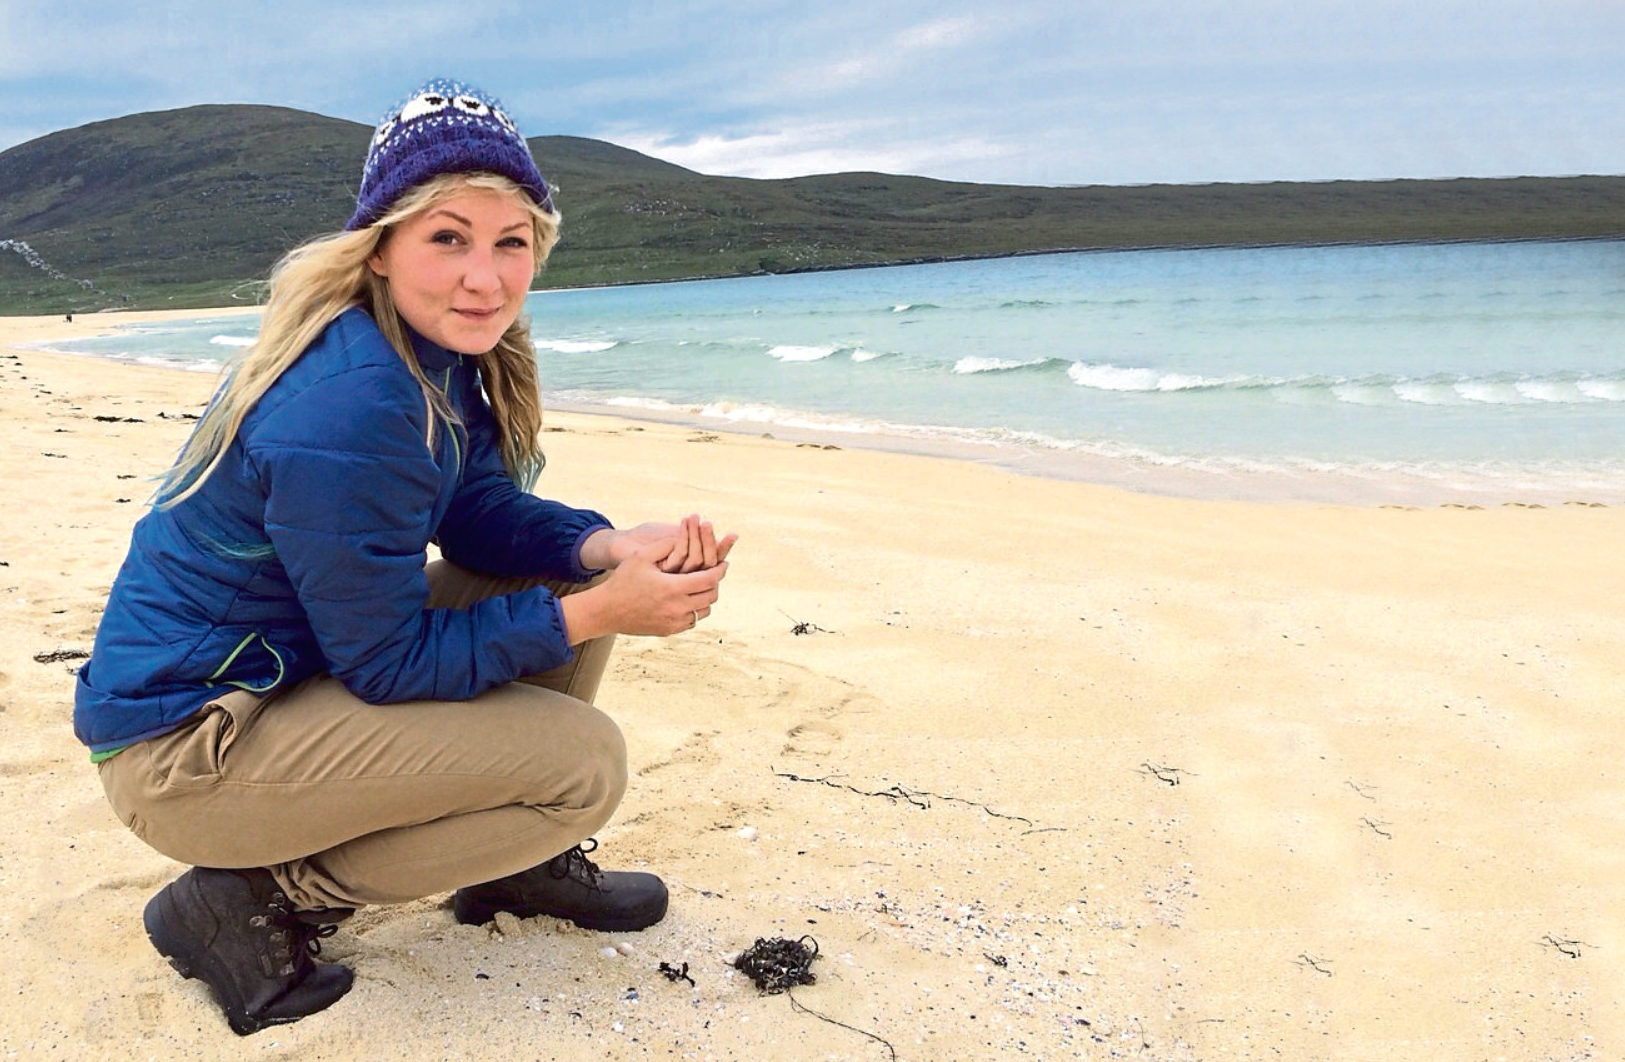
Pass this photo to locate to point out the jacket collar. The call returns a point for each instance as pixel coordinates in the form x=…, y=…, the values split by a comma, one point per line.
x=432, y=356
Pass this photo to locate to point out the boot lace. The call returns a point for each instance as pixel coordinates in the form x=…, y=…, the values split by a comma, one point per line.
x=575, y=865
x=293, y=942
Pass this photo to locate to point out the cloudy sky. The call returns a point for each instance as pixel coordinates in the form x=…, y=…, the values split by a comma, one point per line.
x=1014, y=91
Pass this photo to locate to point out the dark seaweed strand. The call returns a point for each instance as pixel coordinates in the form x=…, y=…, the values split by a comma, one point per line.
x=796, y=1004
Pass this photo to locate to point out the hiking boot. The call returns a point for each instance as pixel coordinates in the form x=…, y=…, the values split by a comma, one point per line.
x=235, y=931
x=568, y=886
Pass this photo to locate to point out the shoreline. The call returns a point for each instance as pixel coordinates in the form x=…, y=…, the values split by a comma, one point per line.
x=1190, y=481
x=1258, y=245
x=1216, y=479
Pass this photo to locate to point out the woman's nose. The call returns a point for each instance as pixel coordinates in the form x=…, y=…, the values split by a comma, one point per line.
x=481, y=272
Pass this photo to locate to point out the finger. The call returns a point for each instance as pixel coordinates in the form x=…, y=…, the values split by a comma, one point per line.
x=699, y=582
x=690, y=617
x=696, y=544
x=704, y=598
x=725, y=547
x=678, y=555
x=708, y=545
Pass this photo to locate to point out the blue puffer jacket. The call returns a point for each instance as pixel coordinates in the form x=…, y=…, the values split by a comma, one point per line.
x=304, y=552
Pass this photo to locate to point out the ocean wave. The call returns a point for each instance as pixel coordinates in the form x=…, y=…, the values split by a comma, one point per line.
x=1361, y=394
x=232, y=341
x=1373, y=390
x=1113, y=377
x=1550, y=390
x=790, y=352
x=762, y=413
x=638, y=402
x=1428, y=392
x=1128, y=378
x=906, y=307
x=575, y=346
x=1604, y=390
x=970, y=365
x=1490, y=392
x=1499, y=390
x=160, y=362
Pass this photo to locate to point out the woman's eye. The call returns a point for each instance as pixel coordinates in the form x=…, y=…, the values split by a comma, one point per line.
x=445, y=236
x=514, y=241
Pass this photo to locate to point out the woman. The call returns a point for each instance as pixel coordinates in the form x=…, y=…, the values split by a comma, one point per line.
x=284, y=694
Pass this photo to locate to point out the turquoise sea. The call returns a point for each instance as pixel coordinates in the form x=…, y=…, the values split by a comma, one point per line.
x=1421, y=373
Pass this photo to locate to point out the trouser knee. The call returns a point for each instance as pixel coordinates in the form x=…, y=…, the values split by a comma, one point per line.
x=601, y=765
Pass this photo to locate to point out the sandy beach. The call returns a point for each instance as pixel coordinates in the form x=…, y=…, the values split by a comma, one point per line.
x=1046, y=769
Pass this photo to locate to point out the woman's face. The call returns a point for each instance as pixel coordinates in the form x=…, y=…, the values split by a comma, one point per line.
x=459, y=271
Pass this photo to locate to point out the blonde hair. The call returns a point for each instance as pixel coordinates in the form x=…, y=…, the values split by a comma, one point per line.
x=319, y=280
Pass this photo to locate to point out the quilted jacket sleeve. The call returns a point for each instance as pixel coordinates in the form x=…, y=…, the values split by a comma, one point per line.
x=492, y=526
x=350, y=493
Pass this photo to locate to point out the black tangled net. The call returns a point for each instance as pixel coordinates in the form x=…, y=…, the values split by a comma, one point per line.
x=778, y=965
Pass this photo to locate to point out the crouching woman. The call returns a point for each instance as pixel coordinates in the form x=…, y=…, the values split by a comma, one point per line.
x=285, y=693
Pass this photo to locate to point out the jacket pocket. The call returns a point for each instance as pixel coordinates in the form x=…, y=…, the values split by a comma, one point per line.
x=253, y=665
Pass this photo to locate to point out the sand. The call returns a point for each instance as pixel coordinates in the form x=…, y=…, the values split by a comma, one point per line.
x=1047, y=769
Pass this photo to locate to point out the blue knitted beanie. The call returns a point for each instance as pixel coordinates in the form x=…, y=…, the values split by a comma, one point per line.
x=445, y=127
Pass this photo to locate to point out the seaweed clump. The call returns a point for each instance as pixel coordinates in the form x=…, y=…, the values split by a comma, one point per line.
x=778, y=965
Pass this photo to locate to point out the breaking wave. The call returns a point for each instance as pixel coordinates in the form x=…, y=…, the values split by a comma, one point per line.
x=575, y=346
x=1374, y=389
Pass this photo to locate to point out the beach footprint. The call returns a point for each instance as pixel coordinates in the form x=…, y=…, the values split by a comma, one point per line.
x=698, y=749
x=810, y=740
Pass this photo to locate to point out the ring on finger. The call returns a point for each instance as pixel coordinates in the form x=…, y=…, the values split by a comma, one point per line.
x=696, y=622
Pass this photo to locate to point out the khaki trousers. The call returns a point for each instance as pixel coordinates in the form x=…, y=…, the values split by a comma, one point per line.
x=348, y=803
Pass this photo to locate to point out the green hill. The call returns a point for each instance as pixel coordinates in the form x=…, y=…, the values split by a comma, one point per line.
x=191, y=207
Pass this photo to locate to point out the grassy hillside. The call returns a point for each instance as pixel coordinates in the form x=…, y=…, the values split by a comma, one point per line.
x=191, y=207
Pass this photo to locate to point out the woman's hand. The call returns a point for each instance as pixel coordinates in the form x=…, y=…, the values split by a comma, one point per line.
x=696, y=548
x=641, y=597
x=691, y=545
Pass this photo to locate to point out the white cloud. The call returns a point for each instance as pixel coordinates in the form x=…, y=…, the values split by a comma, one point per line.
x=830, y=147
x=942, y=33
x=915, y=51
x=826, y=149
